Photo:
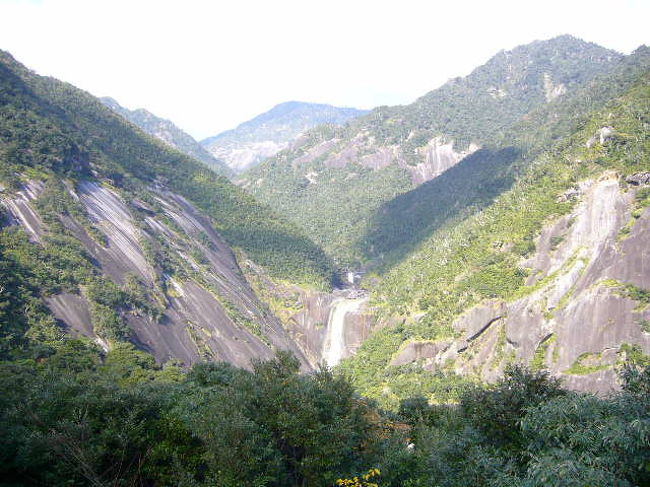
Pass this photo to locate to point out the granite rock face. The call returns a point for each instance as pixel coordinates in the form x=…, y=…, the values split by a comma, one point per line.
x=577, y=320
x=434, y=157
x=212, y=314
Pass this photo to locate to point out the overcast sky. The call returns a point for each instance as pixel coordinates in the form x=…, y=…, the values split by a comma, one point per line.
x=210, y=65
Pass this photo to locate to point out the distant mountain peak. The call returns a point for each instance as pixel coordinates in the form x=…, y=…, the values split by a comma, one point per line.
x=393, y=149
x=269, y=132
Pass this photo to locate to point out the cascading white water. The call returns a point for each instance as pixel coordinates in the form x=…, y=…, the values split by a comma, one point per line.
x=334, y=347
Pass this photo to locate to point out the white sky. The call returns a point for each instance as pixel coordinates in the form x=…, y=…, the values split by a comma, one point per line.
x=210, y=65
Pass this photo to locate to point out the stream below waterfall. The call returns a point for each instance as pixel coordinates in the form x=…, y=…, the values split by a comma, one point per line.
x=334, y=345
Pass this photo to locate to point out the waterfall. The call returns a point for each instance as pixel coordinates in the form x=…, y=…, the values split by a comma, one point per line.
x=334, y=347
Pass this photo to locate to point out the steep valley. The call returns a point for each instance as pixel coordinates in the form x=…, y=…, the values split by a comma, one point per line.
x=340, y=178
x=502, y=253
x=452, y=293
x=499, y=219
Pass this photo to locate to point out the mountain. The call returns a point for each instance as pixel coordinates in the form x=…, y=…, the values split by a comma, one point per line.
x=334, y=179
x=550, y=273
x=132, y=278
x=169, y=133
x=110, y=234
x=267, y=134
x=528, y=249
x=524, y=247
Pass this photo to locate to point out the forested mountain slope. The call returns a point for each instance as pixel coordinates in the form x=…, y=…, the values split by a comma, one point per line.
x=265, y=135
x=552, y=273
x=113, y=245
x=166, y=131
x=402, y=223
x=114, y=235
x=335, y=179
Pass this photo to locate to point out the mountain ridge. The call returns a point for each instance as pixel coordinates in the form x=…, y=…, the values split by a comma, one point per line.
x=394, y=149
x=271, y=131
x=169, y=133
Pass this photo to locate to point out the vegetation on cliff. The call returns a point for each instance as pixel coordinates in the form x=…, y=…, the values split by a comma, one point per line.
x=479, y=256
x=51, y=129
x=340, y=183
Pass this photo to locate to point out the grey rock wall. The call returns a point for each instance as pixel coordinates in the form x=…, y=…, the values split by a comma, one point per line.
x=577, y=319
x=213, y=314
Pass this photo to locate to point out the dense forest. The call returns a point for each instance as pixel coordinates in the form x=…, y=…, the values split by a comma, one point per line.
x=341, y=183
x=72, y=416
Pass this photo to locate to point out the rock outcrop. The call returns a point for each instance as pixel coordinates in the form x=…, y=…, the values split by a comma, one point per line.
x=213, y=313
x=580, y=315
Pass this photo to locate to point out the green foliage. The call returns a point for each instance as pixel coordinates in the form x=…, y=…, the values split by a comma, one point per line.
x=72, y=355
x=579, y=440
x=18, y=294
x=478, y=257
x=635, y=379
x=630, y=291
x=57, y=129
x=395, y=383
x=60, y=264
x=539, y=359
x=334, y=208
x=525, y=431
x=634, y=355
x=344, y=192
x=120, y=422
x=496, y=410
x=645, y=325
x=69, y=425
x=637, y=294
x=586, y=363
x=109, y=303
x=75, y=418
x=128, y=365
